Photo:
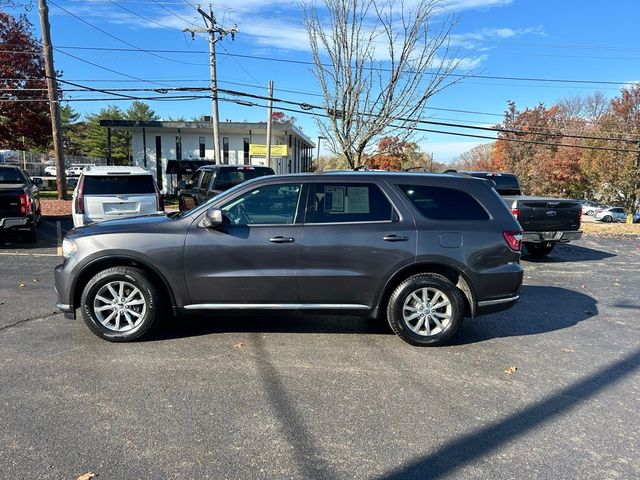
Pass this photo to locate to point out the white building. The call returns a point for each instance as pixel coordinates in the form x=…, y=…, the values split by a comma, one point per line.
x=172, y=150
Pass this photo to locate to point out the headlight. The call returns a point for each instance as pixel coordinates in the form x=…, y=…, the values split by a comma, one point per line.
x=69, y=247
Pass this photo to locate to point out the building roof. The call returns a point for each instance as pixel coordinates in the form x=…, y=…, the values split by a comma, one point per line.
x=196, y=125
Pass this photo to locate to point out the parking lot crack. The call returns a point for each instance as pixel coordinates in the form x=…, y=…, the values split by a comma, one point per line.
x=25, y=320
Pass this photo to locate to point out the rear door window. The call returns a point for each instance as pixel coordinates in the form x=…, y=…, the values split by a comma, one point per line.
x=118, y=185
x=348, y=203
x=440, y=203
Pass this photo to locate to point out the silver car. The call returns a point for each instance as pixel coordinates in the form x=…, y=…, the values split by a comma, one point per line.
x=615, y=214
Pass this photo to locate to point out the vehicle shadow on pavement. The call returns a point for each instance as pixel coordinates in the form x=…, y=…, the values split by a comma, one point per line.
x=47, y=235
x=289, y=322
x=569, y=253
x=469, y=447
x=541, y=309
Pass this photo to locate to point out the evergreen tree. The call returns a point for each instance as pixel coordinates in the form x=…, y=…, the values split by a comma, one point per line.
x=95, y=142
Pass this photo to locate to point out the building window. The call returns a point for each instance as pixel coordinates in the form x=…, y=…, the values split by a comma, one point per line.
x=159, y=161
x=245, y=151
x=202, y=147
x=178, y=148
x=225, y=150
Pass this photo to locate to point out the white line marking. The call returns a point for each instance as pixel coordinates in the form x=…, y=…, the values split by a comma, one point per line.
x=19, y=254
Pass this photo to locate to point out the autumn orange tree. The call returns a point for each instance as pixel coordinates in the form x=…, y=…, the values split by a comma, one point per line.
x=392, y=153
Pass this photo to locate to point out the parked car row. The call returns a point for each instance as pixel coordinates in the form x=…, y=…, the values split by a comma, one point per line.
x=607, y=214
x=72, y=171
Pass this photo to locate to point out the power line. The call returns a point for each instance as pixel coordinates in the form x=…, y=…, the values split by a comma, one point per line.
x=109, y=69
x=311, y=63
x=161, y=5
x=308, y=107
x=149, y=52
x=143, y=17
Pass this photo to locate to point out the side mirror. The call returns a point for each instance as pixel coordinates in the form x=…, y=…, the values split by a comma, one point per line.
x=37, y=181
x=212, y=218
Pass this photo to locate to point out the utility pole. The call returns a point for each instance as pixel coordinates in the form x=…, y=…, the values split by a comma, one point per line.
x=54, y=106
x=212, y=30
x=270, y=121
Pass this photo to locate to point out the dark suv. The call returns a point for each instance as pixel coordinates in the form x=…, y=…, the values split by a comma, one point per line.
x=424, y=250
x=210, y=180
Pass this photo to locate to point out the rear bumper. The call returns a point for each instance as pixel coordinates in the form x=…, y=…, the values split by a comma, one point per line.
x=551, y=237
x=497, y=305
x=15, y=222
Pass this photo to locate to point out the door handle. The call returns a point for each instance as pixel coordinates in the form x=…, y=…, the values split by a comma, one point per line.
x=395, y=238
x=281, y=239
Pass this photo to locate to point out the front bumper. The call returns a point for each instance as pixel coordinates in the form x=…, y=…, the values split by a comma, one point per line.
x=62, y=289
x=551, y=237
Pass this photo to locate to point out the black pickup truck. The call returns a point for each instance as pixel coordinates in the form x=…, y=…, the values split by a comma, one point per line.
x=545, y=221
x=19, y=201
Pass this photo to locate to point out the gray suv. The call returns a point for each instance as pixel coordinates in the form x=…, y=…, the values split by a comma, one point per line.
x=424, y=250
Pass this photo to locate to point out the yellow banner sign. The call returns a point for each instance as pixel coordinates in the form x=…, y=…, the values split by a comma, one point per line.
x=256, y=150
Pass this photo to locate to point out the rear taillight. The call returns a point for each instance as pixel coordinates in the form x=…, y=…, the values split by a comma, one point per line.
x=516, y=212
x=25, y=204
x=513, y=239
x=79, y=196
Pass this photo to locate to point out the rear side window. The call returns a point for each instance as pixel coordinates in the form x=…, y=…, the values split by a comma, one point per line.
x=440, y=203
x=349, y=202
x=11, y=175
x=118, y=185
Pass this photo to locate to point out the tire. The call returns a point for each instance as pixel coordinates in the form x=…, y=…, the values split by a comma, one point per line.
x=607, y=219
x=538, y=250
x=430, y=328
x=114, y=321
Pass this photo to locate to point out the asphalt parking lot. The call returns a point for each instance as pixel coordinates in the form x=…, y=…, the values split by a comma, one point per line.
x=329, y=397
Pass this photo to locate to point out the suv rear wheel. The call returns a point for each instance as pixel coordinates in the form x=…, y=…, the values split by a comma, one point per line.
x=426, y=310
x=120, y=304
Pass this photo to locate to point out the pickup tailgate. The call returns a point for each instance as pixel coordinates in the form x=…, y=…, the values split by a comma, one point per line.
x=9, y=201
x=537, y=214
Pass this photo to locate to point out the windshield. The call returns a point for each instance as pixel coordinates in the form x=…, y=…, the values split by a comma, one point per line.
x=230, y=177
x=11, y=175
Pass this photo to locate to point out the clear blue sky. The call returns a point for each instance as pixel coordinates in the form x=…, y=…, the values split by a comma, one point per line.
x=568, y=39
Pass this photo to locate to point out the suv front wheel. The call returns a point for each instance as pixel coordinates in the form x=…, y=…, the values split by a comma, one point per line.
x=426, y=310
x=120, y=304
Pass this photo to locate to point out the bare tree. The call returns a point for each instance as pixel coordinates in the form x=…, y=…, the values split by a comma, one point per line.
x=378, y=62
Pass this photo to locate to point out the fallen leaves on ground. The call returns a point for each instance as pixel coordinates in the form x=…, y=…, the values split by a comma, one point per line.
x=611, y=229
x=55, y=208
x=239, y=345
x=21, y=285
x=87, y=476
x=511, y=370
